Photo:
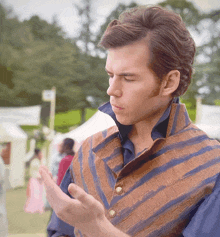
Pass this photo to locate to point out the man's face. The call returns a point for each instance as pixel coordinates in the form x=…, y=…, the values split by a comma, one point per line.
x=133, y=88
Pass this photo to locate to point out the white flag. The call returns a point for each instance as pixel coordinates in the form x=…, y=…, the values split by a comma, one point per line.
x=48, y=95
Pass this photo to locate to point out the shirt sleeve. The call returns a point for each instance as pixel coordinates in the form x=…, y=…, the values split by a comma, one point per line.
x=205, y=223
x=57, y=227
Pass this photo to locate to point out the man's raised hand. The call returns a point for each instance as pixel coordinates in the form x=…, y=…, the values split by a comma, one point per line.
x=83, y=212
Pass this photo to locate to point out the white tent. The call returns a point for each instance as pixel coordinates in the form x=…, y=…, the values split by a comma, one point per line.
x=208, y=119
x=10, y=132
x=29, y=115
x=98, y=122
x=212, y=131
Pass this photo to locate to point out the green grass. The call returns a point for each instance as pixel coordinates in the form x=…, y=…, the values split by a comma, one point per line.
x=64, y=121
x=20, y=222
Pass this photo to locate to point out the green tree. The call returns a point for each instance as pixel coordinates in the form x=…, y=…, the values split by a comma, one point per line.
x=93, y=81
x=8, y=54
x=42, y=30
x=36, y=55
x=209, y=83
x=186, y=9
x=86, y=36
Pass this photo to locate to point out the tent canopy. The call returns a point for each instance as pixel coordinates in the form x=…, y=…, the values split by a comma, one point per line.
x=98, y=122
x=212, y=131
x=29, y=115
x=10, y=132
x=208, y=119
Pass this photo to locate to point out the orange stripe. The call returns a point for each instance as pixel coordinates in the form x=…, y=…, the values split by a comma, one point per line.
x=175, y=190
x=173, y=214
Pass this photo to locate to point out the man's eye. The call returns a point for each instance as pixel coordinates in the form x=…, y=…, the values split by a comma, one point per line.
x=128, y=79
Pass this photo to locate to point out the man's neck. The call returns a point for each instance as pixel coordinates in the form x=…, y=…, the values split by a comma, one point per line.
x=140, y=134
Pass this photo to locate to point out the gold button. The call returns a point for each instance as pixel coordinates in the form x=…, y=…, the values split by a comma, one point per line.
x=118, y=190
x=112, y=213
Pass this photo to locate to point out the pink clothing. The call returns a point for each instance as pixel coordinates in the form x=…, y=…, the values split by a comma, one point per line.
x=35, y=188
x=63, y=166
x=34, y=201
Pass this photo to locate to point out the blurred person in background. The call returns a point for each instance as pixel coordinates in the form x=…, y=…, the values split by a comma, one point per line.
x=6, y=153
x=3, y=212
x=34, y=202
x=6, y=156
x=67, y=149
x=55, y=160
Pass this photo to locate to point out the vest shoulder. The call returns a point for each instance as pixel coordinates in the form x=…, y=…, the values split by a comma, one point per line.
x=100, y=136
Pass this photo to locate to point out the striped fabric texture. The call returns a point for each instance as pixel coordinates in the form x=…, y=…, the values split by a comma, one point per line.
x=154, y=194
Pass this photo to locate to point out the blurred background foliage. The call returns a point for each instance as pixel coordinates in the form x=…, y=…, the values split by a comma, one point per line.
x=36, y=55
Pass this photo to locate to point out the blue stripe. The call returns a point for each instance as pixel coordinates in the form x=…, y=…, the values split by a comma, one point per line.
x=115, y=153
x=96, y=180
x=125, y=212
x=104, y=133
x=178, y=145
x=188, y=129
x=182, y=144
x=81, y=235
x=204, y=166
x=175, y=120
x=105, y=142
x=110, y=176
x=142, y=224
x=184, y=216
x=160, y=170
x=187, y=120
x=72, y=172
x=118, y=168
x=80, y=158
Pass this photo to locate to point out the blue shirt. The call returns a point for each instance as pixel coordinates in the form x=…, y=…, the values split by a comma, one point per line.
x=158, y=131
x=204, y=220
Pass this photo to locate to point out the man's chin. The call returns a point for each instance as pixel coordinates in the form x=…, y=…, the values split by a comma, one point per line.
x=124, y=121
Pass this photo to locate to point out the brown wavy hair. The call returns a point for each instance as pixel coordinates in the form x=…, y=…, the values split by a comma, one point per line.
x=170, y=43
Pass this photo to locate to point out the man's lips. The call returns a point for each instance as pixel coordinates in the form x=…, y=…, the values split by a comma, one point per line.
x=117, y=107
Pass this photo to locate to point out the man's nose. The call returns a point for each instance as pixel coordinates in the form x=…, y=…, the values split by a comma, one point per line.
x=114, y=88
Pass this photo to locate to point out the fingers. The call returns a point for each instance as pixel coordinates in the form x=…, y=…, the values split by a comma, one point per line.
x=46, y=176
x=55, y=196
x=44, y=169
x=79, y=194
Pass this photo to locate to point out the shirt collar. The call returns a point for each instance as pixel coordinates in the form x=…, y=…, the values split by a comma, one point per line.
x=123, y=129
x=158, y=131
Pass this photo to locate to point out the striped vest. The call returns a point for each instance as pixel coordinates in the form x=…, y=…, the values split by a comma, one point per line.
x=154, y=194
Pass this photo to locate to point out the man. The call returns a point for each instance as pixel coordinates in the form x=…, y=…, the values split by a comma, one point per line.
x=148, y=175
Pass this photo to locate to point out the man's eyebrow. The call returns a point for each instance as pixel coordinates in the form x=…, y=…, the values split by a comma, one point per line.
x=122, y=74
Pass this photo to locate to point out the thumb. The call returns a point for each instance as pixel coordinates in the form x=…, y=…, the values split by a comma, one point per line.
x=71, y=189
x=78, y=193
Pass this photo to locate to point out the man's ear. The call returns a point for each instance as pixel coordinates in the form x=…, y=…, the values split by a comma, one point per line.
x=170, y=82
